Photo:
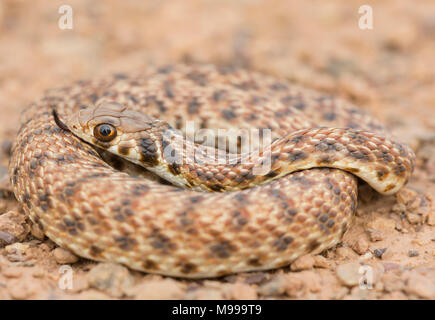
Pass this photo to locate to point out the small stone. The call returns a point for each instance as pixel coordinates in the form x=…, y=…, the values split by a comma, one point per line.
x=348, y=274
x=303, y=263
x=321, y=262
x=413, y=253
x=379, y=252
x=399, y=208
x=13, y=228
x=64, y=256
x=413, y=218
x=361, y=246
x=405, y=195
x=17, y=252
x=45, y=247
x=242, y=291
x=6, y=238
x=111, y=278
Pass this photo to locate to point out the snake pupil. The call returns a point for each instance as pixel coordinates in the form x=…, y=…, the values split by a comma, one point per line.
x=105, y=132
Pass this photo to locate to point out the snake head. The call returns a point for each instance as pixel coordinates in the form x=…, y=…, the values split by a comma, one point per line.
x=113, y=127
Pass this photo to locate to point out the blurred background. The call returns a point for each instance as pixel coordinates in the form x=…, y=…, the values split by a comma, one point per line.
x=389, y=69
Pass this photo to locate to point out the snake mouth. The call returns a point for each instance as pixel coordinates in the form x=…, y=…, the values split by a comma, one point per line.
x=59, y=122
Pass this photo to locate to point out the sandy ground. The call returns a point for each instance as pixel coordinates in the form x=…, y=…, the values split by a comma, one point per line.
x=388, y=70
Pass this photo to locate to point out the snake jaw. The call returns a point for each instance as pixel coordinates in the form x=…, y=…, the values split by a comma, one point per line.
x=59, y=122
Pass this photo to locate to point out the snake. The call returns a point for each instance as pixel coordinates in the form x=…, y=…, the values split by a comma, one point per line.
x=114, y=170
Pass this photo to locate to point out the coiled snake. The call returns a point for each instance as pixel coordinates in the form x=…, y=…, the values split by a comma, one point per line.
x=249, y=221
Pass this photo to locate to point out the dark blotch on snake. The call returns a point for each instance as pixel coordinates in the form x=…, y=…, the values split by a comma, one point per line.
x=150, y=265
x=187, y=267
x=95, y=251
x=148, y=151
x=223, y=250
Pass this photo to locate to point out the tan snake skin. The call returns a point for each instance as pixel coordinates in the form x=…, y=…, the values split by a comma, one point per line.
x=260, y=222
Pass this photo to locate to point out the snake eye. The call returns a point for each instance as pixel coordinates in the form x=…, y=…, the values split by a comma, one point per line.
x=105, y=132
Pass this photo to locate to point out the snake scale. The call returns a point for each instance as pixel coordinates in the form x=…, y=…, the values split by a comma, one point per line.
x=75, y=169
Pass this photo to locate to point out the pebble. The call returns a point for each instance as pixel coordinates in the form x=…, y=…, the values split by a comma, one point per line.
x=405, y=195
x=13, y=228
x=414, y=218
x=348, y=273
x=63, y=256
x=16, y=252
x=45, y=247
x=379, y=252
x=111, y=278
x=417, y=205
x=399, y=208
x=361, y=246
x=305, y=262
x=321, y=262
x=413, y=253
x=6, y=238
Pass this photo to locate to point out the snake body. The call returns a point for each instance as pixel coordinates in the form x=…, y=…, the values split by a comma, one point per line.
x=218, y=216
